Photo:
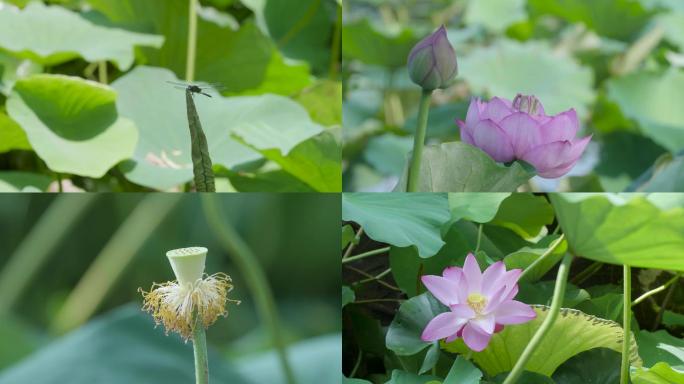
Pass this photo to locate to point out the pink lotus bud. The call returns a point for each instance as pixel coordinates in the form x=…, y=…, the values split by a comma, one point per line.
x=520, y=130
x=432, y=62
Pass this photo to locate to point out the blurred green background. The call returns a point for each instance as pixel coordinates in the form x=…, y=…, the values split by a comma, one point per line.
x=295, y=238
x=617, y=62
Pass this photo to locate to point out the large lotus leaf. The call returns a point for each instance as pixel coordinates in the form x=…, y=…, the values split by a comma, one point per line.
x=316, y=360
x=52, y=35
x=239, y=62
x=666, y=175
x=524, y=214
x=661, y=373
x=632, y=229
x=572, y=333
x=595, y=366
x=162, y=157
x=508, y=68
x=399, y=219
x=72, y=123
x=120, y=347
x=283, y=77
x=673, y=23
x=477, y=207
x=302, y=29
x=495, y=15
x=660, y=346
x=618, y=19
x=316, y=161
x=364, y=42
x=11, y=135
x=524, y=257
x=459, y=167
x=323, y=100
x=15, y=181
x=460, y=238
x=13, y=68
x=402, y=377
x=403, y=334
x=660, y=115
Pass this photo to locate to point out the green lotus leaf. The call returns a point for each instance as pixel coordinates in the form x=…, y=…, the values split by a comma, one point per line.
x=11, y=135
x=659, y=115
x=399, y=219
x=14, y=181
x=52, y=35
x=162, y=157
x=364, y=42
x=507, y=68
x=72, y=123
x=459, y=167
x=302, y=29
x=572, y=333
x=239, y=59
x=635, y=229
x=316, y=161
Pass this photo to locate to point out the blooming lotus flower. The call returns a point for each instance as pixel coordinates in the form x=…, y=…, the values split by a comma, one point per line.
x=480, y=303
x=521, y=130
x=432, y=62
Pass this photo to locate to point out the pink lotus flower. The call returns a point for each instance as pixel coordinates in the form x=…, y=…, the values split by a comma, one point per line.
x=481, y=303
x=521, y=130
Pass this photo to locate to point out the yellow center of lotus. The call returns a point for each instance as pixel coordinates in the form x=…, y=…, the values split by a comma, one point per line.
x=477, y=302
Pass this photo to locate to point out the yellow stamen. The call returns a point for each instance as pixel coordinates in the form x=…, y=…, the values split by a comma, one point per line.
x=477, y=302
x=172, y=304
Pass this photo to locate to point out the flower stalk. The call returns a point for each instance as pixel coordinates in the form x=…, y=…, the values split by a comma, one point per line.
x=419, y=141
x=556, y=302
x=192, y=41
x=626, y=319
x=199, y=344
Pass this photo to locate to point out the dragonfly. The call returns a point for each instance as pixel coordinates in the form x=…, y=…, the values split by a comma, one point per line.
x=198, y=88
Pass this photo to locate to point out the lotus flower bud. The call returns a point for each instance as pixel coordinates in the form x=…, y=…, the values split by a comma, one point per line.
x=432, y=62
x=521, y=130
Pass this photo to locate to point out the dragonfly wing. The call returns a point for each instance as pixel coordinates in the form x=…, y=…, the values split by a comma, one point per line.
x=178, y=83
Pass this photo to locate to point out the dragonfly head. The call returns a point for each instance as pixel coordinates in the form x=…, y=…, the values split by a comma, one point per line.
x=194, y=89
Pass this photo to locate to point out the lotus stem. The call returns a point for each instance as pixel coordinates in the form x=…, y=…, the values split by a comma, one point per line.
x=192, y=41
x=556, y=303
x=365, y=254
x=419, y=141
x=626, y=319
x=199, y=344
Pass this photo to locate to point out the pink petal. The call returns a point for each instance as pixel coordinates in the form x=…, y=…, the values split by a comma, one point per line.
x=514, y=312
x=441, y=326
x=474, y=338
x=494, y=299
x=473, y=276
x=563, y=126
x=452, y=337
x=523, y=131
x=491, y=275
x=442, y=289
x=498, y=328
x=503, y=284
x=453, y=273
x=497, y=109
x=546, y=157
x=484, y=324
x=493, y=140
x=465, y=132
x=566, y=158
x=462, y=311
x=473, y=113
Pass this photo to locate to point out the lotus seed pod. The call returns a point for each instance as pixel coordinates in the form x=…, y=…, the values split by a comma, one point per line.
x=187, y=263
